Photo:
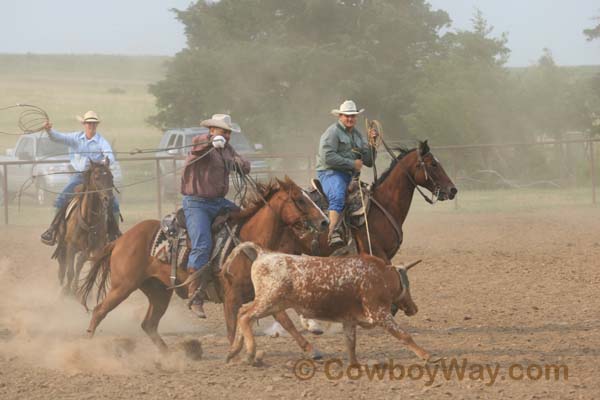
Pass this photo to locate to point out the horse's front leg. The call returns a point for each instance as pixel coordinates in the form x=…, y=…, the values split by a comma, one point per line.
x=62, y=265
x=70, y=261
x=81, y=259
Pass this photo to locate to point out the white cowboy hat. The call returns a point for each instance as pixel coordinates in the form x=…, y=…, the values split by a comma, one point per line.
x=89, y=116
x=221, y=121
x=347, y=108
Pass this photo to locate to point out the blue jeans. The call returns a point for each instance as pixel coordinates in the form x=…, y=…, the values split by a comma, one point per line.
x=199, y=215
x=335, y=185
x=68, y=192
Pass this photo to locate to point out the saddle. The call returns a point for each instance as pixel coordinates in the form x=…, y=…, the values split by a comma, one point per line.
x=171, y=246
x=354, y=213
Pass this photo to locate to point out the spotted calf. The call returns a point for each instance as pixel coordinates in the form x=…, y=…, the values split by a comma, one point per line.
x=357, y=290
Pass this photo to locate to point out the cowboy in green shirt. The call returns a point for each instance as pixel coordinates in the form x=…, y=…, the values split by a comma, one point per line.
x=342, y=153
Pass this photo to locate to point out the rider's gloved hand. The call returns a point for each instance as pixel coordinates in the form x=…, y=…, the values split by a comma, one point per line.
x=218, y=142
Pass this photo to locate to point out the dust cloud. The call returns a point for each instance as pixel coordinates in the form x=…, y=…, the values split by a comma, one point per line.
x=39, y=326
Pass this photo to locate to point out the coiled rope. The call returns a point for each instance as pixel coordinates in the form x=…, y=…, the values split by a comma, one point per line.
x=31, y=119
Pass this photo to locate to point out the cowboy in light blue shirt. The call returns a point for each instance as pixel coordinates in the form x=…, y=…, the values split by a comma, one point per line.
x=82, y=149
x=83, y=146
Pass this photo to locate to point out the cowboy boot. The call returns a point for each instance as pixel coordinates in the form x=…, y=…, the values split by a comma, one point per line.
x=334, y=238
x=49, y=237
x=199, y=279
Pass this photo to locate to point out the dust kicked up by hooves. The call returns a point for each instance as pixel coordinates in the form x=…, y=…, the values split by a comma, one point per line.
x=40, y=327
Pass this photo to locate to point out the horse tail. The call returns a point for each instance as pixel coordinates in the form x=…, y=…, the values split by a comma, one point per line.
x=101, y=265
x=250, y=250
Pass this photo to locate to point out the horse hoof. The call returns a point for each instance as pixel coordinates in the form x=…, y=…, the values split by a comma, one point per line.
x=258, y=358
x=433, y=359
x=192, y=349
x=317, y=355
x=313, y=327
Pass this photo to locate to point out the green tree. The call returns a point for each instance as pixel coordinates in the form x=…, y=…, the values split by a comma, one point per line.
x=558, y=99
x=279, y=66
x=464, y=98
x=593, y=33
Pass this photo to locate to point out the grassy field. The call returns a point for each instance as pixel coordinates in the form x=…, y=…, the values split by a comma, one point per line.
x=68, y=85
x=139, y=202
x=117, y=87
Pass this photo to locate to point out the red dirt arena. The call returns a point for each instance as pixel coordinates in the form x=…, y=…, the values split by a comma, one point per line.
x=509, y=299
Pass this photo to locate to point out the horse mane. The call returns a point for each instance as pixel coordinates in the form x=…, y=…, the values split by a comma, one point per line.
x=403, y=153
x=254, y=201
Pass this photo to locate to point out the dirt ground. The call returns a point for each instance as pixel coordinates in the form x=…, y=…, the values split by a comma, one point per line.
x=508, y=296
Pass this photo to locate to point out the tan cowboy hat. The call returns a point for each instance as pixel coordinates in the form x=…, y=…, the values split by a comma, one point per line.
x=89, y=116
x=347, y=108
x=221, y=121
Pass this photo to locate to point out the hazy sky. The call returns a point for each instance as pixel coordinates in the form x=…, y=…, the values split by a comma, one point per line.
x=148, y=27
x=534, y=24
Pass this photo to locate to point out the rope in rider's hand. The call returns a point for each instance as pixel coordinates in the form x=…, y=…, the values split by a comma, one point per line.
x=31, y=119
x=374, y=141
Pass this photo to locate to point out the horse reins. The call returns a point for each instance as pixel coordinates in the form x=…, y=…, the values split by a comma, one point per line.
x=376, y=125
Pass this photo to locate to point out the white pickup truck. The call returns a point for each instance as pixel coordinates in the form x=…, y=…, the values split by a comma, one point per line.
x=50, y=177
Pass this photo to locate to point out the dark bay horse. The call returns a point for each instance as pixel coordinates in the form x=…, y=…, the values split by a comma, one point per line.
x=275, y=220
x=392, y=196
x=85, y=230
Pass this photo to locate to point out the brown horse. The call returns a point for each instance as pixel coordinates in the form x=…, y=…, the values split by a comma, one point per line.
x=392, y=195
x=85, y=229
x=283, y=207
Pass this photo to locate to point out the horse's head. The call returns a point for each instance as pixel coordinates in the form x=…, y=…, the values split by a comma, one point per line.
x=99, y=178
x=297, y=210
x=430, y=174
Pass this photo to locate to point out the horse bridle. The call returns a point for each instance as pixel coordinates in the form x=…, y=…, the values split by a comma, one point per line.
x=92, y=229
x=307, y=225
x=421, y=164
x=437, y=188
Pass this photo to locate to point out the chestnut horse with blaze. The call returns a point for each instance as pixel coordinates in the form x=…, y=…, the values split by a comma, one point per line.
x=276, y=220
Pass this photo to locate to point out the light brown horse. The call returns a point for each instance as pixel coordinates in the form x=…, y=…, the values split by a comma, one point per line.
x=85, y=231
x=129, y=265
x=392, y=194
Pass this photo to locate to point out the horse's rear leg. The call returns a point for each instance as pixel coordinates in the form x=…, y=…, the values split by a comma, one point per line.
x=158, y=297
x=115, y=296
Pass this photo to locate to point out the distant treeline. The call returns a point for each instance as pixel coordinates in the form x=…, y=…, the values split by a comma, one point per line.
x=279, y=66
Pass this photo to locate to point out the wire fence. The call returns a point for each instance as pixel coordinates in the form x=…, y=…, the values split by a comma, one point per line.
x=551, y=173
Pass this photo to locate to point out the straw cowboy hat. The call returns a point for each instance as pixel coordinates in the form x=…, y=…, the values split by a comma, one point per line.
x=89, y=116
x=347, y=108
x=221, y=121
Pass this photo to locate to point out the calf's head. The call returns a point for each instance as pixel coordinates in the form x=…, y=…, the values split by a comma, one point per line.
x=404, y=301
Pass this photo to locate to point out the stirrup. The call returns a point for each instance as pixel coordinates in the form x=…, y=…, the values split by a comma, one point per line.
x=196, y=305
x=49, y=237
x=335, y=240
